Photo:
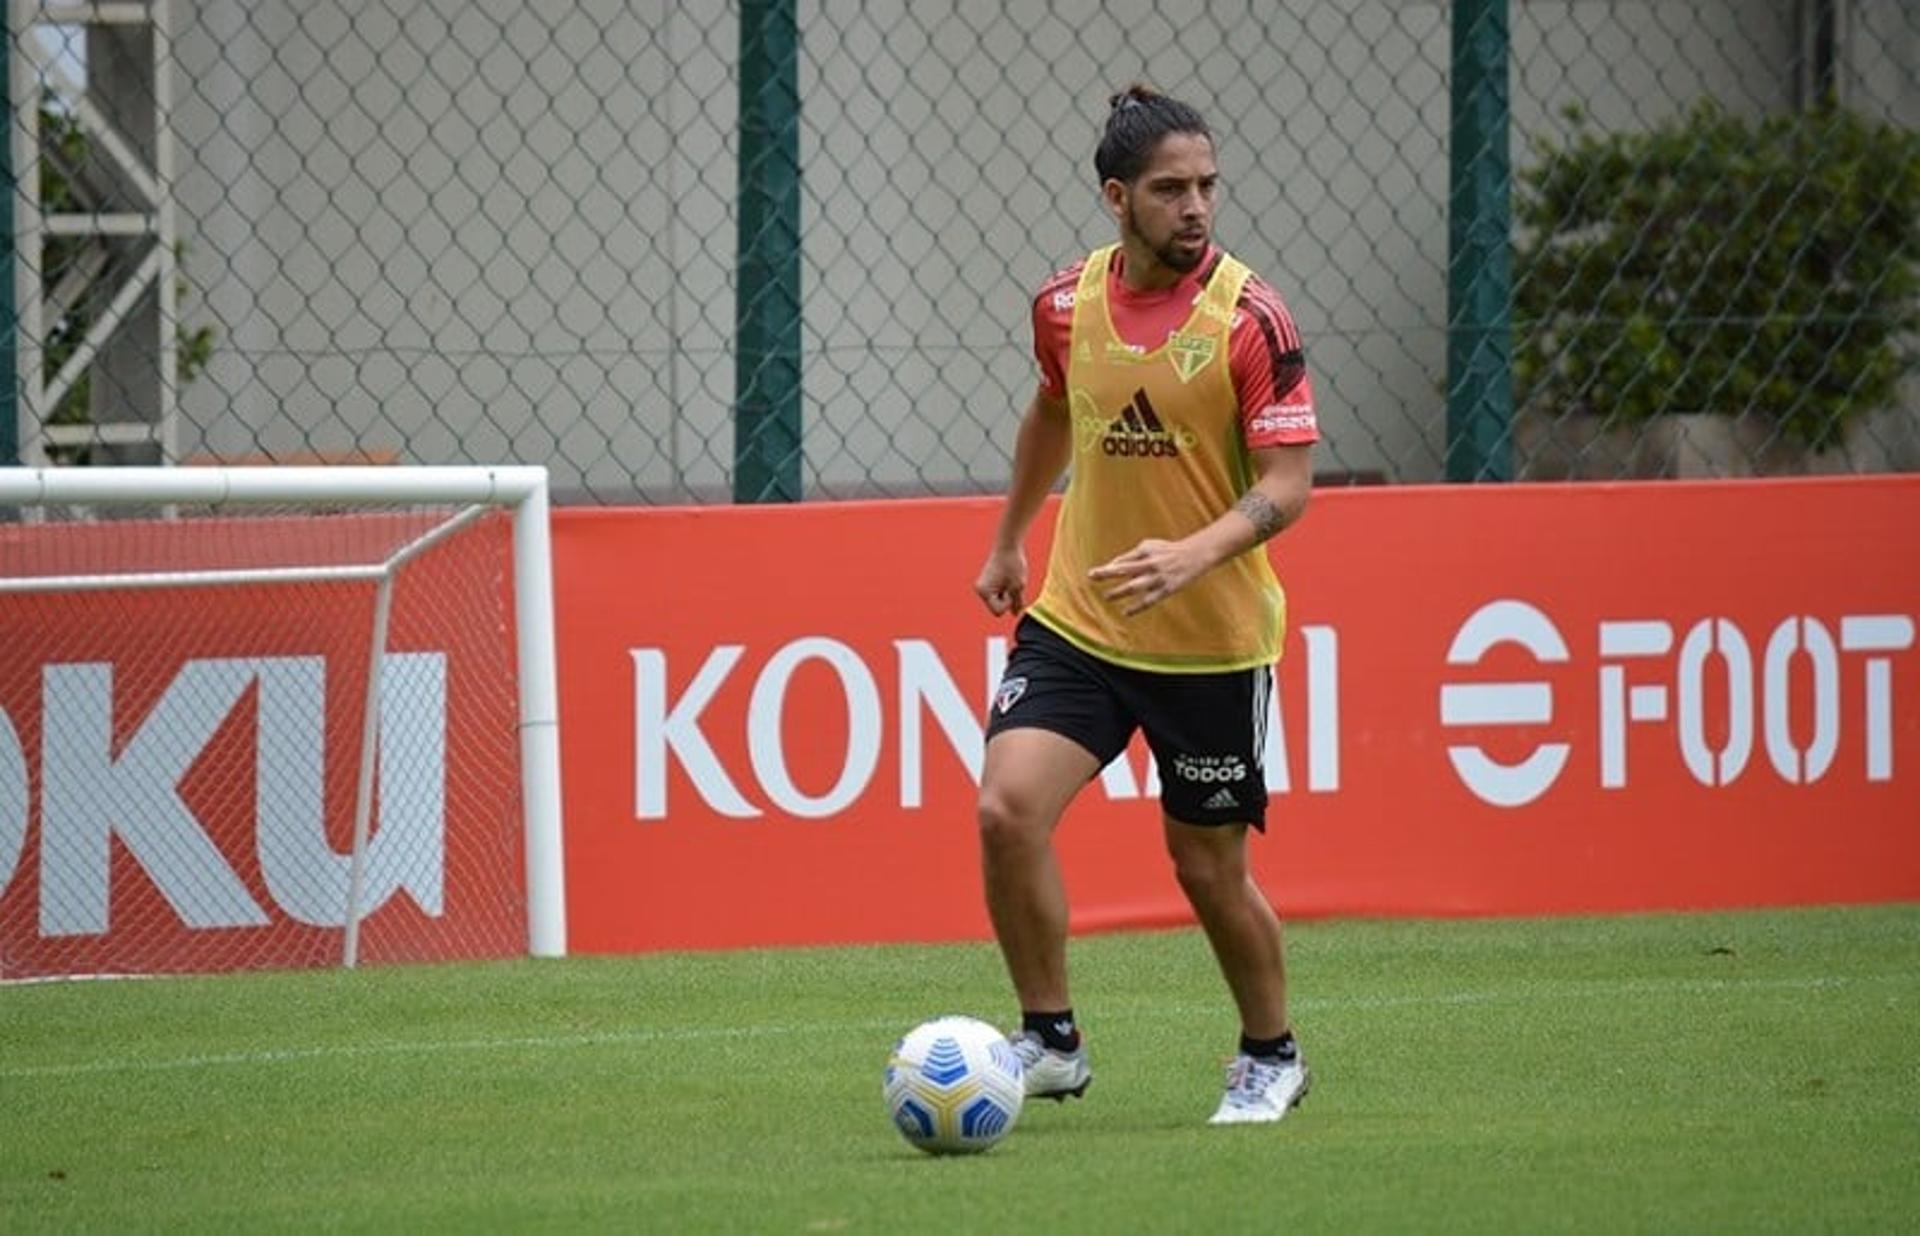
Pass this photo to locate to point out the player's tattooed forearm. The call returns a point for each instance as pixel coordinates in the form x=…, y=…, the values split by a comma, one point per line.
x=1261, y=513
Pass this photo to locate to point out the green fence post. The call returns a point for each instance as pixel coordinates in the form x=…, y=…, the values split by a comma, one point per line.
x=766, y=419
x=1479, y=250
x=9, y=308
x=1826, y=53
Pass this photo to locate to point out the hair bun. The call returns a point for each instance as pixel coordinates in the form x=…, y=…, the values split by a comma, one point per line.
x=1132, y=96
x=1139, y=118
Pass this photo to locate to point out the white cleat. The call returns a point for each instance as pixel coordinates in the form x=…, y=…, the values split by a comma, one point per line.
x=1050, y=1074
x=1261, y=1091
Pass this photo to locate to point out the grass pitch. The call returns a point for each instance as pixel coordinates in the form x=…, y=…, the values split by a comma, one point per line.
x=1740, y=1072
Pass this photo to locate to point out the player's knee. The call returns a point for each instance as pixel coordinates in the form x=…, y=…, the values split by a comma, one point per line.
x=1008, y=821
x=1208, y=873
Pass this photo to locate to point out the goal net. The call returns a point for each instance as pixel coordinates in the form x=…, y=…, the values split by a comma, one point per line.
x=275, y=717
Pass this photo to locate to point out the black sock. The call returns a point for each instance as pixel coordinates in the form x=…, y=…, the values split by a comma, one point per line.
x=1056, y=1030
x=1283, y=1049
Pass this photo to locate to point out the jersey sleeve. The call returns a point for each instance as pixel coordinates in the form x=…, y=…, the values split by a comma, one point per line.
x=1270, y=373
x=1053, y=330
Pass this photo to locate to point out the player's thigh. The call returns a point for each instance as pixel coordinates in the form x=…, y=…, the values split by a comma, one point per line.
x=1056, y=720
x=1208, y=734
x=1029, y=776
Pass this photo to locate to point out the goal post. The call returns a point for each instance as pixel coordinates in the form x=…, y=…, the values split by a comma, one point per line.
x=148, y=614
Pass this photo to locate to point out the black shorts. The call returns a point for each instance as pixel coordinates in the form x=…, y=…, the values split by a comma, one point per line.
x=1207, y=731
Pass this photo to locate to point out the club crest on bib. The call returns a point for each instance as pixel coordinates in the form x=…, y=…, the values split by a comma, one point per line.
x=1011, y=689
x=1190, y=353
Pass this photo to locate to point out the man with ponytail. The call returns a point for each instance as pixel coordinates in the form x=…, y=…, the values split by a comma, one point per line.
x=1172, y=383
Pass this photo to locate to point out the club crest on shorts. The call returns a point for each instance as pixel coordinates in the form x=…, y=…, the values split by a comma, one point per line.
x=1011, y=689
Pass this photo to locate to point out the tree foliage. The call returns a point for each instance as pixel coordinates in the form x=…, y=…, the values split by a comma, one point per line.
x=1718, y=264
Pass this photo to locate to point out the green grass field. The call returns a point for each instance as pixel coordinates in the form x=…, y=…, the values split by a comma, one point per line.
x=1741, y=1072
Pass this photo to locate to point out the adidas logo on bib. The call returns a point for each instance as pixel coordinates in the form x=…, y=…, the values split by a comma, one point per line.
x=1138, y=432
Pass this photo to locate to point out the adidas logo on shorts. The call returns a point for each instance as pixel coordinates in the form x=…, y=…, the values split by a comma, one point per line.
x=1222, y=799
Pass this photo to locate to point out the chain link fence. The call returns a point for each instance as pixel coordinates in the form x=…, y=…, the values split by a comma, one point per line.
x=437, y=232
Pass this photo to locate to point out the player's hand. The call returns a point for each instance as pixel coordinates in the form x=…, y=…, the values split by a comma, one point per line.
x=1003, y=581
x=1148, y=574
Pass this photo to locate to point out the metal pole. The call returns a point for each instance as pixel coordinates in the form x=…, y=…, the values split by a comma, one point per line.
x=1826, y=53
x=1479, y=249
x=766, y=427
x=539, y=725
x=369, y=755
x=9, y=308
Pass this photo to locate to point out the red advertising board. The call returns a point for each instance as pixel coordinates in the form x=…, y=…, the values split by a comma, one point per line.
x=1493, y=700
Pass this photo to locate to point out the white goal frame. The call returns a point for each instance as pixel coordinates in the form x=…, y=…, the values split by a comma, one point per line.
x=522, y=488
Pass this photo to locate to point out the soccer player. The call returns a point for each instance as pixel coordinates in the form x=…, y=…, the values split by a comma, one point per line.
x=1171, y=379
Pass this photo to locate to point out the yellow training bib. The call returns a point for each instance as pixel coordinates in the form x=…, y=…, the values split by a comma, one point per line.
x=1157, y=452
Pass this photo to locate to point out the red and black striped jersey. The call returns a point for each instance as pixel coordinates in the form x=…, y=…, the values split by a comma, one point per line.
x=1264, y=354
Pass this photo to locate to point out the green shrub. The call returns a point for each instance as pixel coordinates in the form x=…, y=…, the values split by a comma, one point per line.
x=1717, y=264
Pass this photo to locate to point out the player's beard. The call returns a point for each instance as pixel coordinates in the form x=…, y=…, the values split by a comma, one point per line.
x=1169, y=254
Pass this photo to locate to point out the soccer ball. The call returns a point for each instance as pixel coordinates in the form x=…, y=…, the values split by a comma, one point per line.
x=954, y=1086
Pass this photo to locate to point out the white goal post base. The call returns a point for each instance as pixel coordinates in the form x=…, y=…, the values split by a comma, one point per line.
x=520, y=488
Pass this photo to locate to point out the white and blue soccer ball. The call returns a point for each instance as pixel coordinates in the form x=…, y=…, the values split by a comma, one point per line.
x=954, y=1086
